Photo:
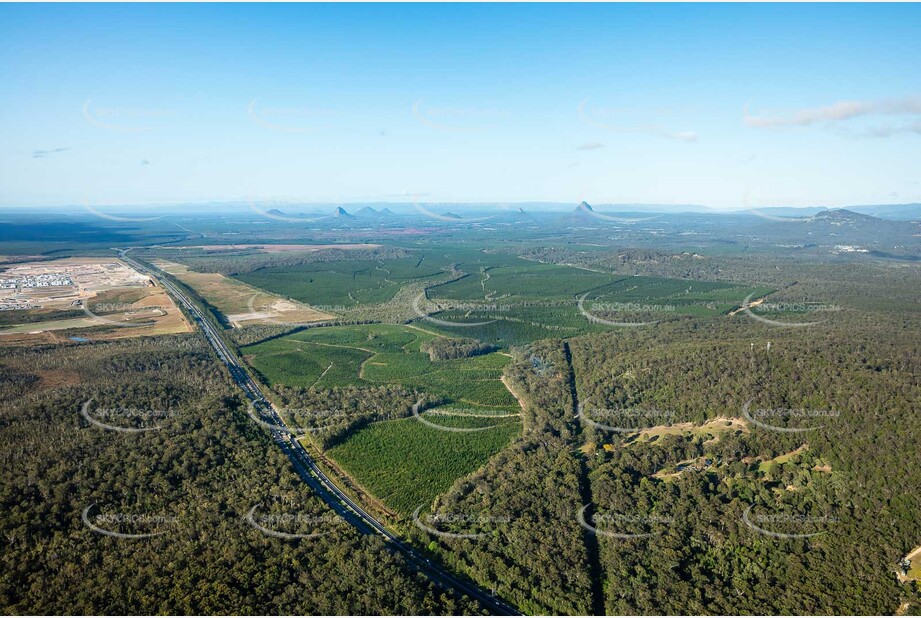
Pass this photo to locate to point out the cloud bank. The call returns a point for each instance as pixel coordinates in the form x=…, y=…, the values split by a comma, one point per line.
x=44, y=154
x=837, y=114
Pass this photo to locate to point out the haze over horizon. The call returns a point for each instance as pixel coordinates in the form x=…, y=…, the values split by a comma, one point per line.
x=724, y=106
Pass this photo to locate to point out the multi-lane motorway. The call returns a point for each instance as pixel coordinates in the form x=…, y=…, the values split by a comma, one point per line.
x=306, y=467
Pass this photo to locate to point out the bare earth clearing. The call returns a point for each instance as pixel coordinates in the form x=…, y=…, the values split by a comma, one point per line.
x=114, y=298
x=240, y=302
x=278, y=248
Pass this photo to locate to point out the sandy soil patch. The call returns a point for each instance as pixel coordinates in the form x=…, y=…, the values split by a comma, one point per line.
x=132, y=304
x=753, y=303
x=714, y=427
x=58, y=377
x=279, y=248
x=240, y=303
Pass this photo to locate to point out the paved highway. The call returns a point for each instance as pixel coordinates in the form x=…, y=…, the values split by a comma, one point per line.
x=307, y=468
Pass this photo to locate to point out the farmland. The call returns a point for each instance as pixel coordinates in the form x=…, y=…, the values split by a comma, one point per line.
x=523, y=300
x=343, y=283
x=460, y=309
x=456, y=329
x=340, y=356
x=102, y=297
x=520, y=280
x=407, y=463
x=298, y=363
x=238, y=303
x=633, y=300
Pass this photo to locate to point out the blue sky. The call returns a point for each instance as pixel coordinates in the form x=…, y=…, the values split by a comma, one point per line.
x=722, y=105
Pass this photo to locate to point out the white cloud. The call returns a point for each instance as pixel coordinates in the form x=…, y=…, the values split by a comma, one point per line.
x=843, y=111
x=684, y=136
x=44, y=154
x=889, y=130
x=609, y=118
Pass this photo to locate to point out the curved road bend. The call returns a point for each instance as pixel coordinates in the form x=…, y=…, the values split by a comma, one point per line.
x=307, y=468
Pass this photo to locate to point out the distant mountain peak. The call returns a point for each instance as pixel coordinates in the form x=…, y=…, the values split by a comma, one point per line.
x=451, y=215
x=842, y=214
x=342, y=212
x=385, y=211
x=584, y=207
x=275, y=211
x=367, y=210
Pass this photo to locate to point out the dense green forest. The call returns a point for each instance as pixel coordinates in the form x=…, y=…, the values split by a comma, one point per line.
x=840, y=490
x=848, y=475
x=192, y=482
x=700, y=461
x=525, y=500
x=460, y=308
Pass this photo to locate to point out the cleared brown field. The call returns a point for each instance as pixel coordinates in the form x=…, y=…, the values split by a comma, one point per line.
x=711, y=428
x=240, y=303
x=155, y=314
x=110, y=299
x=280, y=248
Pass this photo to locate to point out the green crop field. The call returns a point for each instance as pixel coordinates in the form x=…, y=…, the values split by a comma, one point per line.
x=514, y=325
x=630, y=299
x=296, y=363
x=406, y=463
x=645, y=289
x=371, y=337
x=343, y=283
x=379, y=354
x=403, y=462
x=521, y=280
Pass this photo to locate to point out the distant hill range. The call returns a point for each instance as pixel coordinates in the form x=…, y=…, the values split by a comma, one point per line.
x=842, y=216
x=902, y=212
x=368, y=210
x=897, y=212
x=842, y=229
